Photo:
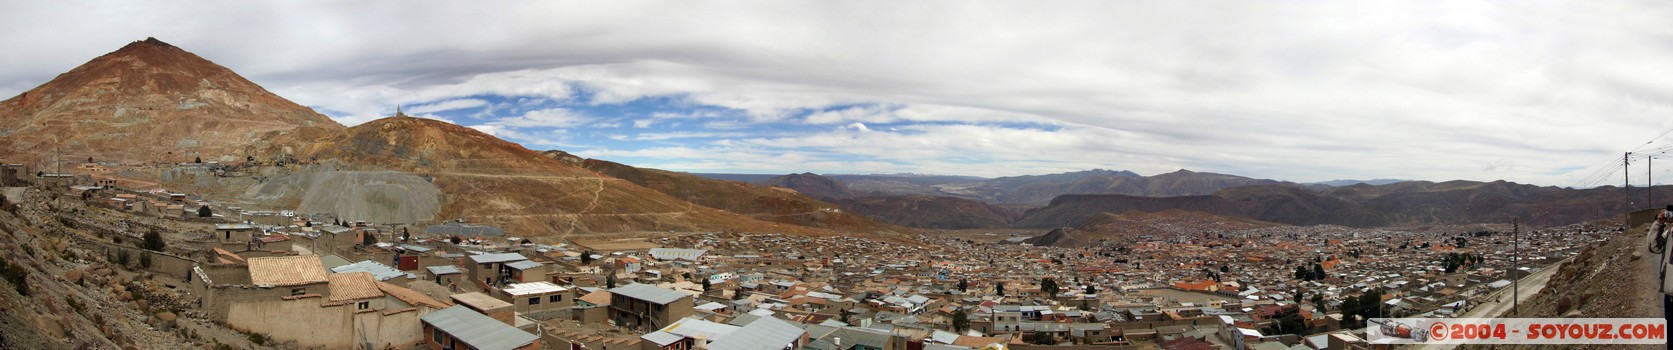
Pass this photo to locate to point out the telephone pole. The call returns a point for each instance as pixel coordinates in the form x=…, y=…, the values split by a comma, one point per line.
x=1515, y=256
x=1649, y=181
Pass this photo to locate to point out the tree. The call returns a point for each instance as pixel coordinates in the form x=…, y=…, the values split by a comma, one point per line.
x=405, y=237
x=152, y=241
x=706, y=285
x=999, y=288
x=204, y=212
x=1048, y=286
x=144, y=259
x=1225, y=268
x=1041, y=338
x=1350, y=308
x=1318, y=272
x=1318, y=302
x=309, y=223
x=587, y=257
x=525, y=241
x=1091, y=289
x=610, y=281
x=199, y=160
x=961, y=321
x=367, y=238
x=89, y=159
x=455, y=240
x=963, y=285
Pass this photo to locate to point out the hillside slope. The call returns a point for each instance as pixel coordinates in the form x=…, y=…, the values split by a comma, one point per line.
x=764, y=203
x=1405, y=203
x=936, y=212
x=150, y=101
x=487, y=180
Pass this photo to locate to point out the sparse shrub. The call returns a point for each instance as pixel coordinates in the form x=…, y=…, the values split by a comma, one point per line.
x=153, y=240
x=258, y=339
x=122, y=257
x=144, y=260
x=16, y=275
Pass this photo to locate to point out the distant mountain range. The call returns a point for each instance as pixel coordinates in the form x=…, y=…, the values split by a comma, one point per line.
x=1377, y=182
x=1071, y=199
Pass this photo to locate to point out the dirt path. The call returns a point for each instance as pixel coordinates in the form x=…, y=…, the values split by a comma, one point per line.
x=540, y=177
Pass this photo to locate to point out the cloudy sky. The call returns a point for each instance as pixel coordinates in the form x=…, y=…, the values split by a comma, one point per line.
x=1527, y=91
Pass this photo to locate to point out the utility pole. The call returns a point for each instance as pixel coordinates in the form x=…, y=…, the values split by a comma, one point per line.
x=1515, y=256
x=1649, y=181
x=1626, y=188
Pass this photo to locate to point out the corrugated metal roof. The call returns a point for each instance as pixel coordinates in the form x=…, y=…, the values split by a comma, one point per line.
x=764, y=334
x=494, y=258
x=692, y=327
x=477, y=330
x=541, y=287
x=444, y=270
x=523, y=265
x=661, y=339
x=379, y=270
x=649, y=293
x=677, y=253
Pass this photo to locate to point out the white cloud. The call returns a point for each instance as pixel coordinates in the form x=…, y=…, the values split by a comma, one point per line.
x=448, y=105
x=1291, y=90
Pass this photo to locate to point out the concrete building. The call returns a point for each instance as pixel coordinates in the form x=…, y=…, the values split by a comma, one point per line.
x=646, y=307
x=538, y=296
x=496, y=309
x=351, y=310
x=490, y=269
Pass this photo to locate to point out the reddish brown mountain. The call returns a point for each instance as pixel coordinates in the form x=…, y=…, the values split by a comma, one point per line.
x=930, y=211
x=487, y=180
x=812, y=185
x=1405, y=203
x=765, y=203
x=150, y=101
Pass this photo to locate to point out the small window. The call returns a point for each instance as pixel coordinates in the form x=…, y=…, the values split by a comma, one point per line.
x=298, y=291
x=555, y=298
x=534, y=301
x=363, y=305
x=436, y=335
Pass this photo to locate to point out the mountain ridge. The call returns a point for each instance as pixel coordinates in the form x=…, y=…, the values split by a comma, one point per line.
x=153, y=101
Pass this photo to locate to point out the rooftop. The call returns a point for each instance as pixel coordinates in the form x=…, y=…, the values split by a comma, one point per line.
x=353, y=286
x=677, y=253
x=479, y=301
x=766, y=333
x=649, y=293
x=497, y=258
x=443, y=270
x=477, y=330
x=522, y=265
x=542, y=287
x=379, y=270
x=286, y=271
